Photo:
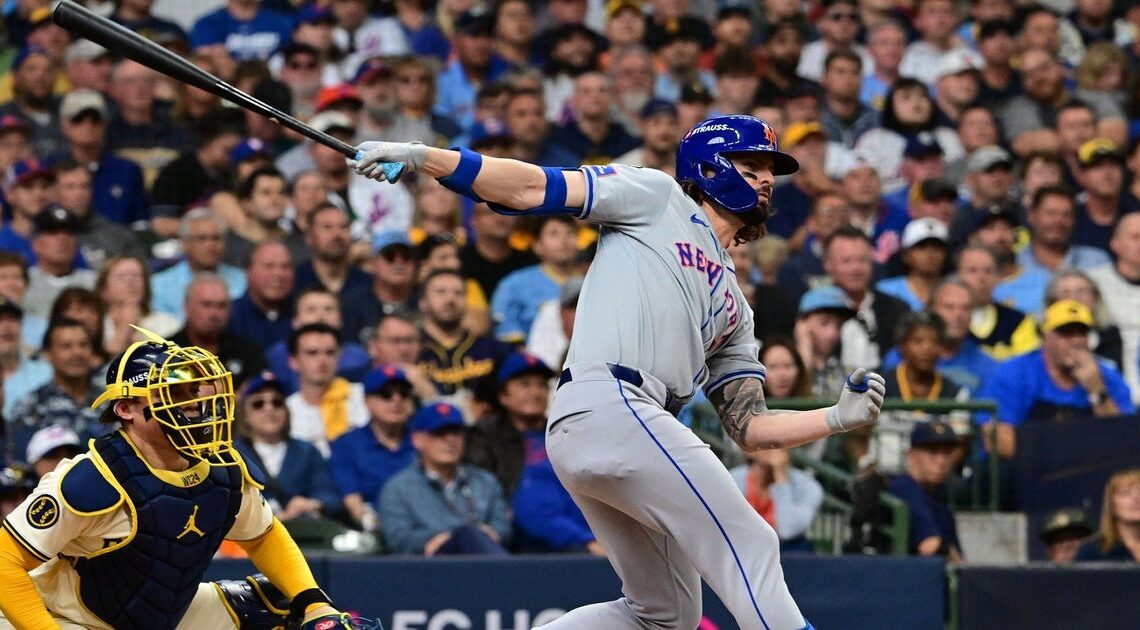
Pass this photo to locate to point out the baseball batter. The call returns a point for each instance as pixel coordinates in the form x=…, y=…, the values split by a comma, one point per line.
x=120, y=536
x=660, y=315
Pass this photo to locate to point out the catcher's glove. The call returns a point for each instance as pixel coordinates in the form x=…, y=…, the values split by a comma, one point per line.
x=342, y=621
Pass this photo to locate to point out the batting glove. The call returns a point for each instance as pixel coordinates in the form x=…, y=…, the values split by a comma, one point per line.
x=388, y=161
x=860, y=402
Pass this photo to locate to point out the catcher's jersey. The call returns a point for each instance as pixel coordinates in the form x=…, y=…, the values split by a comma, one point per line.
x=49, y=529
x=661, y=295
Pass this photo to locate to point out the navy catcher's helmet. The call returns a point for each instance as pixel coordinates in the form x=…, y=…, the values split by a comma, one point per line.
x=188, y=391
x=702, y=158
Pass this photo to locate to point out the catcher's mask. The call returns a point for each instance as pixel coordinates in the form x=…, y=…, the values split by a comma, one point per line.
x=188, y=392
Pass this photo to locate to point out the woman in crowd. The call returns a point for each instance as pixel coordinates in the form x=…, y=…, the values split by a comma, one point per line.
x=123, y=286
x=1119, y=535
x=85, y=307
x=787, y=497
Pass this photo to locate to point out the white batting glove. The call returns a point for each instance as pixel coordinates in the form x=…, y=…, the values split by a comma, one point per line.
x=377, y=158
x=859, y=403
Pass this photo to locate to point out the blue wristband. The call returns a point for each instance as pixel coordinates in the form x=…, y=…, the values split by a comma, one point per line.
x=463, y=178
x=555, y=198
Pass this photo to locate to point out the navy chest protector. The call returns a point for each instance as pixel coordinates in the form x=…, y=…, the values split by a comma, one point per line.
x=149, y=579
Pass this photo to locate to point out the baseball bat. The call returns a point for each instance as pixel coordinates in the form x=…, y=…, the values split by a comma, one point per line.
x=115, y=37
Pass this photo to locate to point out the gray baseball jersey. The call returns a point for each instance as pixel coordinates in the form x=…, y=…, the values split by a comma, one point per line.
x=661, y=295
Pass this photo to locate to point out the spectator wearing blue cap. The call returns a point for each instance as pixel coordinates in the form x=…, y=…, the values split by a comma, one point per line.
x=822, y=313
x=29, y=186
x=117, y=189
x=591, y=136
x=438, y=505
x=365, y=458
x=299, y=483
x=658, y=123
x=34, y=73
x=923, y=160
x=513, y=438
x=317, y=305
x=934, y=448
x=392, y=285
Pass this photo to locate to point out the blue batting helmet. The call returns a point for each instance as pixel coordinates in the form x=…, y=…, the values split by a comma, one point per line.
x=702, y=158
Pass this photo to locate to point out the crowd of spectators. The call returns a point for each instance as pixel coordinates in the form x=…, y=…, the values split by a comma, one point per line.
x=964, y=220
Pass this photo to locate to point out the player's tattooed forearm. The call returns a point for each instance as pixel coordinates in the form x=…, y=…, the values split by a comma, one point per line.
x=737, y=403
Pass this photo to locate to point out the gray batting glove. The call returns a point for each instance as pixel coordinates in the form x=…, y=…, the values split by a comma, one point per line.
x=377, y=158
x=860, y=402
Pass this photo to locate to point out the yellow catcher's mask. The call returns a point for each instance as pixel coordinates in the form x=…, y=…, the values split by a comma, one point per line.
x=189, y=392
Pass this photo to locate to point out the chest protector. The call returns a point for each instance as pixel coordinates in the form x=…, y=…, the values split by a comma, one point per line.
x=148, y=579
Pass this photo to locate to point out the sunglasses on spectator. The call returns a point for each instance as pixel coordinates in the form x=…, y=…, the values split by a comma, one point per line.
x=274, y=401
x=388, y=393
x=295, y=65
x=843, y=15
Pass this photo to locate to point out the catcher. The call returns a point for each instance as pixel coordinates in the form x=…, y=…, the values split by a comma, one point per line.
x=120, y=536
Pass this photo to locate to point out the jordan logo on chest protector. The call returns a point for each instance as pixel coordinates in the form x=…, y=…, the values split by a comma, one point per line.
x=191, y=525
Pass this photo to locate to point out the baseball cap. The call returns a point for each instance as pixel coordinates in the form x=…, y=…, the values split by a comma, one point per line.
x=1098, y=149
x=50, y=438
x=249, y=148
x=475, y=22
x=987, y=157
x=16, y=477
x=23, y=171
x=84, y=50
x=657, y=106
x=1065, y=523
x=956, y=61
x=436, y=416
x=312, y=14
x=39, y=17
x=682, y=30
x=55, y=219
x=25, y=54
x=994, y=212
x=390, y=238
x=1066, y=313
x=521, y=363
x=371, y=69
x=344, y=93
x=726, y=8
x=76, y=102
x=937, y=189
x=796, y=133
x=570, y=291
x=14, y=123
x=924, y=229
x=10, y=308
x=695, y=92
x=329, y=121
x=259, y=382
x=922, y=145
x=613, y=6
x=829, y=298
x=377, y=378
x=932, y=433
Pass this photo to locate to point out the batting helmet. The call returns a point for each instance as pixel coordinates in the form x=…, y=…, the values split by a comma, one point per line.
x=702, y=158
x=188, y=391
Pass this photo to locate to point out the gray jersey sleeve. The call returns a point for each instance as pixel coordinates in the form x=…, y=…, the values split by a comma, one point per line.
x=738, y=357
x=625, y=196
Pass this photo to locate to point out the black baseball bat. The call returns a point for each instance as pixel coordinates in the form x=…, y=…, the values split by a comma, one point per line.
x=81, y=21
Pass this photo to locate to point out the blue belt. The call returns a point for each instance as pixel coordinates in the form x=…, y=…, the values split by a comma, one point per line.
x=620, y=372
x=632, y=376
